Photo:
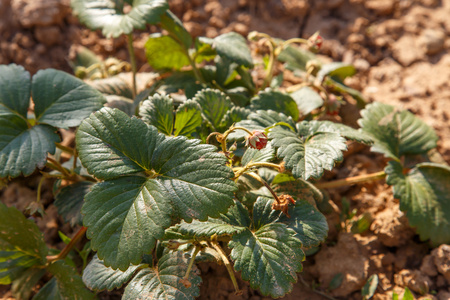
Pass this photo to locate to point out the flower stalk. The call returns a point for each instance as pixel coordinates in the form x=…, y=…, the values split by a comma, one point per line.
x=68, y=247
x=351, y=180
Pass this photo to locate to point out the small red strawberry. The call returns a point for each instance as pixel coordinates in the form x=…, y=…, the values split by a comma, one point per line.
x=256, y=140
x=315, y=42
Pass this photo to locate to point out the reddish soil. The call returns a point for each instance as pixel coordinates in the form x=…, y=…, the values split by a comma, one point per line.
x=401, y=50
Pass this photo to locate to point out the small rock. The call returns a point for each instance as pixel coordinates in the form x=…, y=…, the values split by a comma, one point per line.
x=361, y=64
x=406, y=51
x=443, y=295
x=211, y=32
x=240, y=28
x=40, y=49
x=391, y=227
x=48, y=36
x=194, y=28
x=298, y=8
x=432, y=41
x=441, y=282
x=414, y=280
x=441, y=257
x=430, y=3
x=353, y=265
x=216, y=22
x=24, y=40
x=32, y=13
x=410, y=256
x=428, y=267
x=381, y=7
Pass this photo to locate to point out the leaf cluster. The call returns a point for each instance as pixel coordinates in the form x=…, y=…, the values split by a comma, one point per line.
x=154, y=193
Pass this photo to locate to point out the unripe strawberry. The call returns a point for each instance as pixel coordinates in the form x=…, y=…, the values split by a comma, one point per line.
x=256, y=140
x=315, y=42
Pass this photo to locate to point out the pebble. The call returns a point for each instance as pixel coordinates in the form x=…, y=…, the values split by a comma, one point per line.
x=49, y=35
x=432, y=41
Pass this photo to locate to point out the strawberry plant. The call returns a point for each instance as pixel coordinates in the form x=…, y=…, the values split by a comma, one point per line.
x=208, y=164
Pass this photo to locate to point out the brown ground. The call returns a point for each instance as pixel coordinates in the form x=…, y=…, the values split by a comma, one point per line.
x=400, y=48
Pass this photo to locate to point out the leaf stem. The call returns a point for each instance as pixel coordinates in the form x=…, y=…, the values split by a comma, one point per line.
x=197, y=73
x=75, y=156
x=57, y=166
x=69, y=246
x=227, y=264
x=65, y=149
x=191, y=263
x=257, y=177
x=132, y=61
x=250, y=165
x=279, y=124
x=351, y=180
x=39, y=188
x=222, y=138
x=291, y=41
x=270, y=65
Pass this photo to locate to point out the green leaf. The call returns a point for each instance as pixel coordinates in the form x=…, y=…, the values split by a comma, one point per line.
x=23, y=286
x=336, y=69
x=175, y=27
x=313, y=127
x=14, y=90
x=158, y=111
x=370, y=287
x=408, y=295
x=234, y=221
x=424, y=194
x=276, y=101
x=177, y=80
x=225, y=70
x=254, y=155
x=109, y=15
x=158, y=56
x=125, y=217
x=69, y=200
x=187, y=118
x=49, y=291
x=185, y=180
x=268, y=258
x=307, y=99
x=342, y=88
x=84, y=58
x=110, y=144
x=164, y=281
x=203, y=51
x=308, y=156
x=362, y=224
x=295, y=58
x=22, y=149
x=113, y=86
x=214, y=105
x=309, y=224
x=236, y=114
x=209, y=228
x=124, y=104
x=63, y=100
x=260, y=120
x=336, y=281
x=21, y=242
x=99, y=277
x=296, y=187
x=70, y=285
x=233, y=46
x=396, y=133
